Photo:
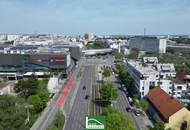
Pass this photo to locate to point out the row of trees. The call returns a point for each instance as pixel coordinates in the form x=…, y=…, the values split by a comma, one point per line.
x=124, y=75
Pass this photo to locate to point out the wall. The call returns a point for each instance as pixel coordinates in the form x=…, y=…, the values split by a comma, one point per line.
x=176, y=119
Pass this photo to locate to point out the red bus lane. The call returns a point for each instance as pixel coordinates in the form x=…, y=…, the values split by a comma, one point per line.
x=63, y=96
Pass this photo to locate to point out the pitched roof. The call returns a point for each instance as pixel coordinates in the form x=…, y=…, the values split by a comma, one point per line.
x=164, y=104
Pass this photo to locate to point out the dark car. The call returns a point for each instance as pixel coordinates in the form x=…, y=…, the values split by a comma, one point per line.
x=84, y=87
x=137, y=113
x=129, y=109
x=87, y=97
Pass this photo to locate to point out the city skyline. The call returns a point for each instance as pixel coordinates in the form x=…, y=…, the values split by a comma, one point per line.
x=101, y=17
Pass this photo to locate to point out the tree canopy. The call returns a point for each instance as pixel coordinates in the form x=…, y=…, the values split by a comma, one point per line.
x=118, y=56
x=108, y=93
x=25, y=88
x=12, y=114
x=58, y=123
x=107, y=72
x=134, y=53
x=124, y=75
x=36, y=102
x=157, y=126
x=116, y=120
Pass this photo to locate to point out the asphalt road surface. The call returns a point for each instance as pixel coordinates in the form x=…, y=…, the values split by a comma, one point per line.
x=76, y=119
x=122, y=103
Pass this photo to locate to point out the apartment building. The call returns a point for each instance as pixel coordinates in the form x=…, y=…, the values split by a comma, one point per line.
x=144, y=76
x=151, y=73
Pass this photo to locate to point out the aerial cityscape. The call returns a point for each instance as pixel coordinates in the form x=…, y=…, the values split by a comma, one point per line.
x=94, y=65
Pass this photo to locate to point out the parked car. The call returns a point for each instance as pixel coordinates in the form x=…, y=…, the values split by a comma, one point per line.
x=137, y=112
x=87, y=97
x=129, y=109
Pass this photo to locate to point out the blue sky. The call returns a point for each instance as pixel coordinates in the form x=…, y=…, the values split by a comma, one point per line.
x=98, y=16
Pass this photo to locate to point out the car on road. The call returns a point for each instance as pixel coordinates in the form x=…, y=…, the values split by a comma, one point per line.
x=84, y=87
x=129, y=109
x=137, y=112
x=87, y=97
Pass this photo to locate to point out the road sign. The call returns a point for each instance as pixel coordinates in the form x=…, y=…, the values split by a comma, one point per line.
x=95, y=123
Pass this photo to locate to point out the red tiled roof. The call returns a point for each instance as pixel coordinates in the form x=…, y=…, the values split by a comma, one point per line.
x=163, y=102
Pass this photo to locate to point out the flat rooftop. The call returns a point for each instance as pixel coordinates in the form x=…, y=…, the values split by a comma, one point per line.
x=142, y=68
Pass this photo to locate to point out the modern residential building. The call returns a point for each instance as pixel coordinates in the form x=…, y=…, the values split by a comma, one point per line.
x=164, y=108
x=144, y=76
x=153, y=61
x=166, y=70
x=148, y=44
x=150, y=73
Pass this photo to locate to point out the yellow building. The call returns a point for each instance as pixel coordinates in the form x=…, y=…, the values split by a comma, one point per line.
x=166, y=109
x=178, y=118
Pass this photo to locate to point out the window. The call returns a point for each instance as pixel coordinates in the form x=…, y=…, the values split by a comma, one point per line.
x=159, y=83
x=179, y=87
x=142, y=88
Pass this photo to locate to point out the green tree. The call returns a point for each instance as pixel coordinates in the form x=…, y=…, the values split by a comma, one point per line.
x=108, y=93
x=37, y=103
x=144, y=104
x=124, y=75
x=58, y=123
x=118, y=56
x=116, y=120
x=134, y=53
x=44, y=96
x=27, y=87
x=12, y=113
x=107, y=72
x=157, y=126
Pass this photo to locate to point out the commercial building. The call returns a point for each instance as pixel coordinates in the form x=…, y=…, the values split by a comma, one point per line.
x=16, y=61
x=164, y=108
x=148, y=44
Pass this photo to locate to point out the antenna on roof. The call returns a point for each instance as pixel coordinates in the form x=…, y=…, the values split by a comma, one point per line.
x=144, y=32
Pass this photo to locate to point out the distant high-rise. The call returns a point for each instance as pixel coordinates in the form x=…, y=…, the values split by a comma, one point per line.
x=148, y=44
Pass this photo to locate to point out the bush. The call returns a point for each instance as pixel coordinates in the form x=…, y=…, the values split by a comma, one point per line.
x=58, y=123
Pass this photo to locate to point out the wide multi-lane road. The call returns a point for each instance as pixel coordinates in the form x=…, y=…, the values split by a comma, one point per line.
x=76, y=119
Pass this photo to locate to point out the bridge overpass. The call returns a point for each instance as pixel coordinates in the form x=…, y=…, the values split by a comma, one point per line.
x=97, y=51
